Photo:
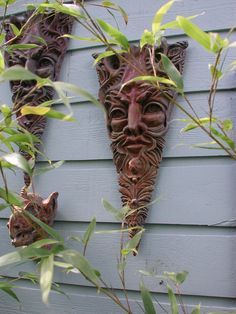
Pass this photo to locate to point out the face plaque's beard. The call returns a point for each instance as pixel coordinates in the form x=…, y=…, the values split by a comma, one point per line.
x=137, y=174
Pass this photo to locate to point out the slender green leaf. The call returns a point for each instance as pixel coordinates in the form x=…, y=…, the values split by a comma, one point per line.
x=147, y=38
x=181, y=276
x=46, y=276
x=222, y=136
x=207, y=145
x=18, y=161
x=109, y=4
x=152, y=79
x=147, y=300
x=52, y=166
x=106, y=54
x=173, y=301
x=215, y=73
x=68, y=9
x=197, y=310
x=78, y=91
x=175, y=24
x=227, y=125
x=45, y=111
x=89, y=39
x=10, y=258
x=202, y=121
x=114, y=211
x=2, y=63
x=114, y=33
x=7, y=288
x=131, y=245
x=195, y=32
x=89, y=232
x=81, y=263
x=3, y=206
x=22, y=46
x=45, y=227
x=22, y=138
x=156, y=23
x=18, y=73
x=172, y=72
x=11, y=198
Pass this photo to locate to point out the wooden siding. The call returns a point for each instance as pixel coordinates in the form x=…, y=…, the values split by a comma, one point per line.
x=195, y=187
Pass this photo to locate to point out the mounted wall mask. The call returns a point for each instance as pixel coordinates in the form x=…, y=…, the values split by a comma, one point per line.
x=45, y=60
x=137, y=121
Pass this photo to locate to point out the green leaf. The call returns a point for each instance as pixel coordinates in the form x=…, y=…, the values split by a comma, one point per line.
x=18, y=161
x=120, y=38
x=2, y=63
x=205, y=145
x=181, y=277
x=89, y=232
x=109, y=4
x=217, y=43
x=7, y=288
x=3, y=206
x=22, y=138
x=10, y=258
x=175, y=24
x=22, y=46
x=78, y=91
x=89, y=39
x=15, y=29
x=172, y=72
x=215, y=73
x=106, y=54
x=52, y=166
x=48, y=112
x=131, y=245
x=227, y=125
x=147, y=300
x=18, y=73
x=77, y=260
x=149, y=79
x=147, y=38
x=156, y=23
x=11, y=198
x=45, y=227
x=114, y=211
x=222, y=136
x=173, y=301
x=195, y=32
x=65, y=8
x=202, y=121
x=197, y=310
x=46, y=276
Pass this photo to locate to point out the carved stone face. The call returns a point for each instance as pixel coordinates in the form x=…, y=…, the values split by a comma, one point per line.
x=137, y=121
x=21, y=230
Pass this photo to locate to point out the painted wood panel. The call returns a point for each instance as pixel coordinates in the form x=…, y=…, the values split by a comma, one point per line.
x=181, y=185
x=162, y=249
x=83, y=300
x=195, y=191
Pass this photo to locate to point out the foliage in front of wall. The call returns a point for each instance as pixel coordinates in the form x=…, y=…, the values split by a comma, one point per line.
x=54, y=251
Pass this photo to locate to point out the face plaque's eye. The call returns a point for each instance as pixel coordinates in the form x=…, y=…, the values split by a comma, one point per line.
x=153, y=107
x=117, y=113
x=44, y=62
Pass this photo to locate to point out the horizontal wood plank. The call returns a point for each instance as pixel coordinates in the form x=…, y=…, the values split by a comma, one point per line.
x=161, y=249
x=86, y=300
x=194, y=192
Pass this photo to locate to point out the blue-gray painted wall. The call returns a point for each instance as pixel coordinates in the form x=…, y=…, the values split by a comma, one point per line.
x=196, y=186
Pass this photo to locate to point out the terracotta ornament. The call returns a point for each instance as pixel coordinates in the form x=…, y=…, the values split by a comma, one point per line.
x=44, y=60
x=21, y=229
x=137, y=119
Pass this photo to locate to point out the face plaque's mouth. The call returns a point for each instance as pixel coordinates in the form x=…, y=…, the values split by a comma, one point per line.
x=136, y=144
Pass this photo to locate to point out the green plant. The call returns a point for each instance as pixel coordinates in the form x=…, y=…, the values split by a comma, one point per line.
x=58, y=253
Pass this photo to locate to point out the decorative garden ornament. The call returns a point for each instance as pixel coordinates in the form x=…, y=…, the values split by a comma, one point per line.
x=137, y=116
x=44, y=58
x=21, y=229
